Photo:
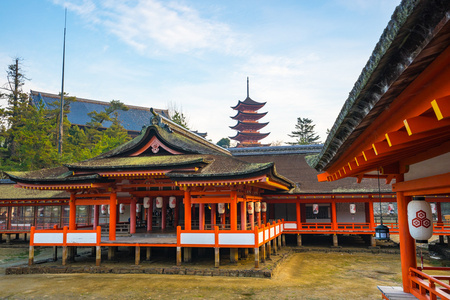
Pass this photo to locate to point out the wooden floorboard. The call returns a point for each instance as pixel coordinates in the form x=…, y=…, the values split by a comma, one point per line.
x=395, y=293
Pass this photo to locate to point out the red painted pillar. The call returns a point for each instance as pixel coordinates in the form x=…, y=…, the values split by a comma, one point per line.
x=187, y=210
x=96, y=214
x=150, y=215
x=371, y=216
x=264, y=217
x=439, y=213
x=258, y=218
x=233, y=210
x=252, y=220
x=72, y=212
x=333, y=216
x=407, y=243
x=164, y=213
x=133, y=216
x=201, y=216
x=112, y=216
x=298, y=215
x=243, y=215
x=213, y=214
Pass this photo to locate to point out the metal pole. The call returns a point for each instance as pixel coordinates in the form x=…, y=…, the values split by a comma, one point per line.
x=61, y=116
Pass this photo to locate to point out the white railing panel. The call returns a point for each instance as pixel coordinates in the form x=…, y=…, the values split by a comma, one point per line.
x=277, y=229
x=272, y=232
x=82, y=238
x=288, y=226
x=243, y=239
x=197, y=238
x=261, y=237
x=266, y=234
x=48, y=238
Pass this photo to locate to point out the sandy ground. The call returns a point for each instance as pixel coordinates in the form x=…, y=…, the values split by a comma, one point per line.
x=308, y=275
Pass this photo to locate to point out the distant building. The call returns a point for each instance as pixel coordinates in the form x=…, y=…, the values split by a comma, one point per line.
x=248, y=126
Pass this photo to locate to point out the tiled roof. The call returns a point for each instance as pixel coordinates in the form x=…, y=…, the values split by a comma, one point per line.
x=133, y=120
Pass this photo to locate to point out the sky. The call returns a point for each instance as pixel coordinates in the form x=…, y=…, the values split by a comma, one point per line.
x=302, y=57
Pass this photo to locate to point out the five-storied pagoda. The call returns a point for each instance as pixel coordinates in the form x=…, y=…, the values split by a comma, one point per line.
x=247, y=126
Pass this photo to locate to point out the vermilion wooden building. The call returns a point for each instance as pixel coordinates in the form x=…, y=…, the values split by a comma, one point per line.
x=397, y=122
x=248, y=126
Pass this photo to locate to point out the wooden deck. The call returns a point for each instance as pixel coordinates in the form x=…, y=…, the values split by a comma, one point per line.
x=168, y=239
x=394, y=293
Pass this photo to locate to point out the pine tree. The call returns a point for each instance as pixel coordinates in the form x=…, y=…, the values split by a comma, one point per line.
x=304, y=133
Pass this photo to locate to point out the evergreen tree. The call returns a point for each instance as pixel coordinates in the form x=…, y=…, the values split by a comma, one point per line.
x=304, y=133
x=224, y=142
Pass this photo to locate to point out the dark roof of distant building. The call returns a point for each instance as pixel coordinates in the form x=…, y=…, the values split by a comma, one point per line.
x=134, y=119
x=276, y=150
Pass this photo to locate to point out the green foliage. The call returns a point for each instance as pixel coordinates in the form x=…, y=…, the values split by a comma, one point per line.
x=180, y=119
x=304, y=133
x=224, y=142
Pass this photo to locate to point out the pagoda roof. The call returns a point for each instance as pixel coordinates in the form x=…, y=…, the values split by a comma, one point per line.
x=163, y=149
x=244, y=136
x=241, y=126
x=132, y=120
x=241, y=116
x=248, y=104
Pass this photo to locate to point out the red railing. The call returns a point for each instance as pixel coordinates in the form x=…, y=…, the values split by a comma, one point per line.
x=424, y=286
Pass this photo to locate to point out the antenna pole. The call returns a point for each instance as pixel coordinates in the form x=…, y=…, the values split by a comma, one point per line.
x=247, y=89
x=61, y=115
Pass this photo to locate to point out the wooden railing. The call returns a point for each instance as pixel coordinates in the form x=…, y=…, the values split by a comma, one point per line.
x=65, y=237
x=424, y=286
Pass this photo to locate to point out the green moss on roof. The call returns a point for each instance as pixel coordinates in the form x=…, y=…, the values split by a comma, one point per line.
x=9, y=192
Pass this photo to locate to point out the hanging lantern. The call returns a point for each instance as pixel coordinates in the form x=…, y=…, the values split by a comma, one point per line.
x=433, y=208
x=250, y=208
x=382, y=232
x=146, y=202
x=352, y=208
x=263, y=207
x=221, y=208
x=159, y=202
x=257, y=207
x=103, y=209
x=315, y=209
x=391, y=210
x=172, y=202
x=138, y=207
x=420, y=219
x=121, y=208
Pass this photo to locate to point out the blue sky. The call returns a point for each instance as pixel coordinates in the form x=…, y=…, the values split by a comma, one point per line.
x=302, y=57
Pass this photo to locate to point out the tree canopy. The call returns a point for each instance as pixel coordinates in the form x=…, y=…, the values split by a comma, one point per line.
x=304, y=132
x=224, y=143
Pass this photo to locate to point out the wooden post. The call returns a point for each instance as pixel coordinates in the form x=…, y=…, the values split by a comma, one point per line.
x=245, y=253
x=299, y=240
x=98, y=255
x=268, y=250
x=234, y=255
x=263, y=253
x=283, y=240
x=55, y=253
x=335, y=240
x=137, y=255
x=133, y=215
x=407, y=243
x=178, y=256
x=201, y=216
x=112, y=215
x=216, y=257
x=31, y=256
x=256, y=257
x=149, y=253
x=187, y=254
x=111, y=253
x=258, y=218
x=64, y=255
x=373, y=241
x=187, y=211
x=8, y=238
x=274, y=246
x=72, y=213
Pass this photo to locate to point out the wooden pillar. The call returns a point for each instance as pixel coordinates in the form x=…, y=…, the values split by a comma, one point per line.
x=98, y=255
x=371, y=216
x=72, y=213
x=299, y=240
x=407, y=243
x=268, y=250
x=201, y=216
x=133, y=216
x=243, y=215
x=150, y=215
x=111, y=253
x=31, y=256
x=252, y=220
x=55, y=253
x=274, y=246
x=333, y=216
x=178, y=256
x=187, y=257
x=234, y=255
x=216, y=257
x=149, y=253
x=258, y=218
x=96, y=216
x=112, y=215
x=283, y=240
x=257, y=257
x=298, y=215
x=263, y=253
x=264, y=217
x=137, y=253
x=8, y=238
x=164, y=213
x=373, y=241
x=64, y=255
x=233, y=211
x=335, y=240
x=187, y=210
x=213, y=214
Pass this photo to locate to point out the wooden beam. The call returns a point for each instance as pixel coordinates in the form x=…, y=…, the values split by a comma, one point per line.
x=422, y=184
x=421, y=124
x=441, y=107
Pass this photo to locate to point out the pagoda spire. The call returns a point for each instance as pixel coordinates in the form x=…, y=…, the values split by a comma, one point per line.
x=248, y=90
